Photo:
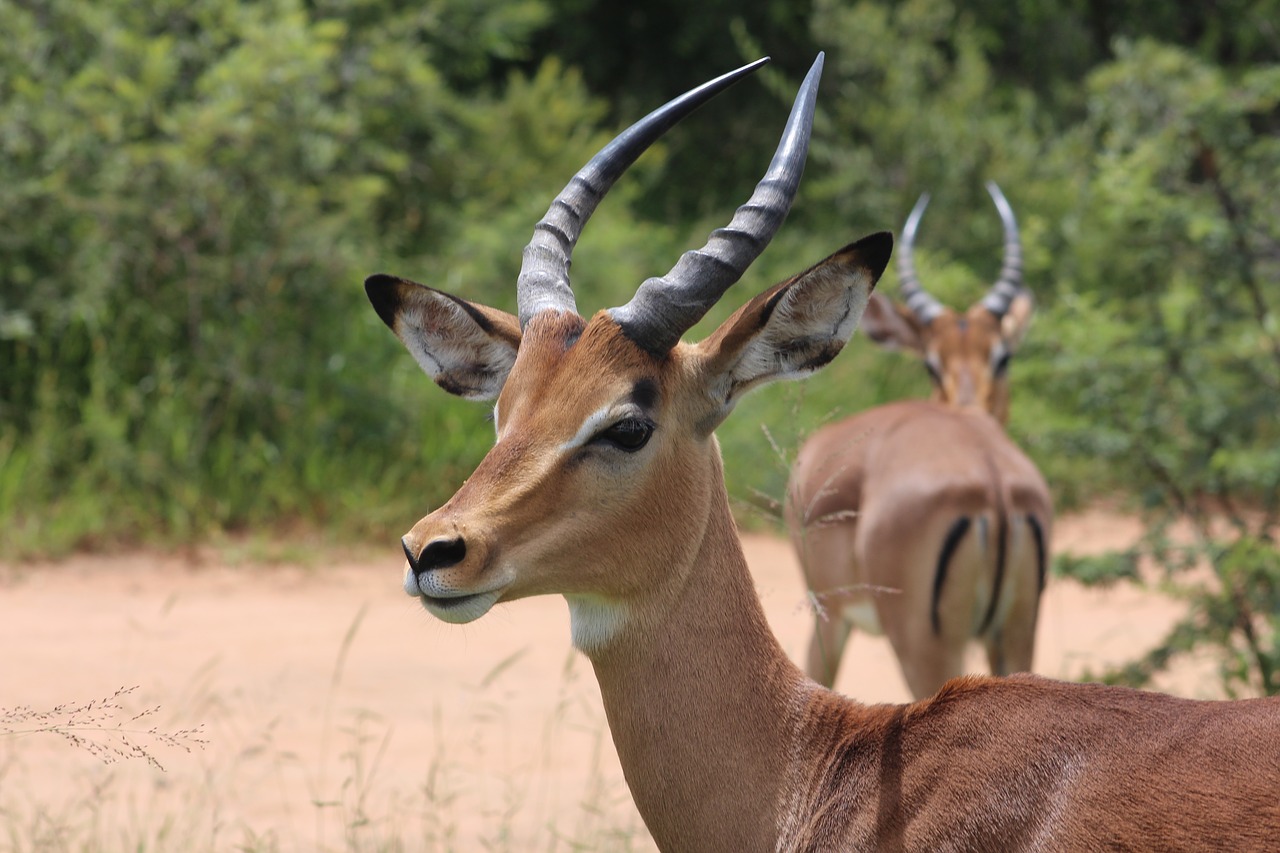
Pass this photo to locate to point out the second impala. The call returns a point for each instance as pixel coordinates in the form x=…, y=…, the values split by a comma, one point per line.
x=922, y=520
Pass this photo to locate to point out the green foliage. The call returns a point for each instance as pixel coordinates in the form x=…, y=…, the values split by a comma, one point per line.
x=1168, y=341
x=1234, y=613
x=190, y=194
x=189, y=199
x=1101, y=570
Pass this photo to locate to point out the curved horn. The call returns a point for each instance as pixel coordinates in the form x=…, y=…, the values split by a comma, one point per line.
x=544, y=272
x=919, y=300
x=1009, y=284
x=665, y=308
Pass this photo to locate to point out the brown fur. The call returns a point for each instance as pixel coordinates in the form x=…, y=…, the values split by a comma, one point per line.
x=1025, y=763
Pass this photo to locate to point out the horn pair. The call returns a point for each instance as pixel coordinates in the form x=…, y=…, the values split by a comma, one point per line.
x=1001, y=294
x=664, y=308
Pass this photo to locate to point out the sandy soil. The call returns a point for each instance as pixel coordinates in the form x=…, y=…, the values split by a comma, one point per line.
x=339, y=716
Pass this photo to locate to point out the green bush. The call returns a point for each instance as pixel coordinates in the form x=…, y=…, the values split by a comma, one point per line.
x=189, y=198
x=191, y=193
x=1168, y=340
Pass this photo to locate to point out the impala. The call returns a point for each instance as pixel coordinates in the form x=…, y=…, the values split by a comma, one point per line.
x=605, y=486
x=923, y=520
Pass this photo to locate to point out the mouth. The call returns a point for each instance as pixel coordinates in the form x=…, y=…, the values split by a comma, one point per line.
x=448, y=603
x=460, y=609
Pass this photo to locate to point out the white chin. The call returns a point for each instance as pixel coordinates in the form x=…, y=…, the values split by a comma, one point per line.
x=459, y=611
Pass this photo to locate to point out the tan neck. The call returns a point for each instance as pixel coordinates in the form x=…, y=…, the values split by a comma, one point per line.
x=703, y=703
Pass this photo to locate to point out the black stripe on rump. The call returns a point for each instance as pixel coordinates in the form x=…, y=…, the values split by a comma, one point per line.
x=1042, y=569
x=949, y=545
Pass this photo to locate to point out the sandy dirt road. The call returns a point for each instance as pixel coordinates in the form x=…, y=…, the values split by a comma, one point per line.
x=339, y=716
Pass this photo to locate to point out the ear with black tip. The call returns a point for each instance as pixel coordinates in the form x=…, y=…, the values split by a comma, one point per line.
x=467, y=348
x=794, y=328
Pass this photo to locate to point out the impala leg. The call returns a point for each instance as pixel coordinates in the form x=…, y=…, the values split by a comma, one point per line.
x=1011, y=646
x=906, y=561
x=927, y=660
x=830, y=575
x=830, y=635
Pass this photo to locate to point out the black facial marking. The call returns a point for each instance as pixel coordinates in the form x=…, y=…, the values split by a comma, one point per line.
x=645, y=394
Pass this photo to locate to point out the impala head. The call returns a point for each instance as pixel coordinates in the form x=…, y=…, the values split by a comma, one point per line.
x=967, y=354
x=605, y=471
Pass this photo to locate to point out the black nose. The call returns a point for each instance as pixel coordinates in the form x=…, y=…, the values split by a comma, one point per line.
x=439, y=554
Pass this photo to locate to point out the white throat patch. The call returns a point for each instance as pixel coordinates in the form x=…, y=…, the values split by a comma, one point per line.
x=594, y=622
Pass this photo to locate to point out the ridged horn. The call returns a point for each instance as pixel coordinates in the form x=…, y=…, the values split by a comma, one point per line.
x=1009, y=284
x=665, y=308
x=543, y=283
x=919, y=300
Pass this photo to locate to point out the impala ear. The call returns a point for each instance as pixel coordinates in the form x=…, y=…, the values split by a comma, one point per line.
x=468, y=349
x=891, y=325
x=794, y=328
x=1014, y=323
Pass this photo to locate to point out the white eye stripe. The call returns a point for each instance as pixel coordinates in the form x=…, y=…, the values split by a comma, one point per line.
x=590, y=427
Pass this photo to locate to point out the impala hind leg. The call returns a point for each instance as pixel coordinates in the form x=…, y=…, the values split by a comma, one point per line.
x=927, y=661
x=927, y=621
x=1003, y=658
x=1011, y=643
x=1011, y=648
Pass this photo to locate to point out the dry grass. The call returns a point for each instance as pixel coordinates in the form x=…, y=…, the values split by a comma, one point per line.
x=139, y=783
x=103, y=728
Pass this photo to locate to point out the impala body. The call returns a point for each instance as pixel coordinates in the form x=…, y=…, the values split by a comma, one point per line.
x=605, y=486
x=921, y=520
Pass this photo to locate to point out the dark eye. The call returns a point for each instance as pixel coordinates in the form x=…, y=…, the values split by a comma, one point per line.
x=629, y=435
x=1002, y=363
